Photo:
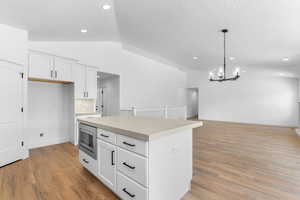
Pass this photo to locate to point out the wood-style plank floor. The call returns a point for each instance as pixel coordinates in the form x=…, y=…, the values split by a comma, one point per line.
x=231, y=161
x=245, y=162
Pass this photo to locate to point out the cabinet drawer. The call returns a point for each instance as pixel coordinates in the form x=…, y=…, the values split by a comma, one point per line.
x=88, y=162
x=134, y=145
x=106, y=136
x=129, y=190
x=133, y=166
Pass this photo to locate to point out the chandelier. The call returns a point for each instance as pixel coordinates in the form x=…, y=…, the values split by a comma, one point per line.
x=221, y=74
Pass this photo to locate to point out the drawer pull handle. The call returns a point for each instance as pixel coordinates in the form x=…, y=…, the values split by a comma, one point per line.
x=104, y=135
x=84, y=160
x=112, y=158
x=129, y=166
x=131, y=195
x=128, y=144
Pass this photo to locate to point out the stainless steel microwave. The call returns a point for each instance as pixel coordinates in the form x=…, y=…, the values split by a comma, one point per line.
x=88, y=140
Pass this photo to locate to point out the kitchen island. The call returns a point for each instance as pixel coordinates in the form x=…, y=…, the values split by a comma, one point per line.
x=142, y=158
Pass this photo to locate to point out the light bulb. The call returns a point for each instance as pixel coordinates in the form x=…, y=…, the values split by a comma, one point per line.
x=211, y=75
x=237, y=71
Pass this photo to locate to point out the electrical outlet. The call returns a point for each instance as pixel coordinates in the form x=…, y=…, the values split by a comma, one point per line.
x=41, y=134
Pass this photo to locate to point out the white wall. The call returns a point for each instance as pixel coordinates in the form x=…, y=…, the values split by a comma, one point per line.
x=14, y=44
x=143, y=82
x=254, y=98
x=192, y=102
x=48, y=113
x=111, y=95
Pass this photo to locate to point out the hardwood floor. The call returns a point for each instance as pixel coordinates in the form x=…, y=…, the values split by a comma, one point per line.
x=236, y=161
x=231, y=161
x=51, y=173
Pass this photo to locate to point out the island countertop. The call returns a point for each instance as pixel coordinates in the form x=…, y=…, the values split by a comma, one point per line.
x=143, y=128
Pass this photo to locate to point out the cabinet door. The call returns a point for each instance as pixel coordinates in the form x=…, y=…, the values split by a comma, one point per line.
x=78, y=75
x=40, y=66
x=107, y=164
x=63, y=69
x=91, y=82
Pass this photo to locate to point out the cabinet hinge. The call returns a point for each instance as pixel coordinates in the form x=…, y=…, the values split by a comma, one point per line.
x=22, y=75
x=22, y=143
x=22, y=109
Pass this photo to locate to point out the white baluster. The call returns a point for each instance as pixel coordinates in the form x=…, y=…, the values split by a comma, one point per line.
x=166, y=112
x=133, y=111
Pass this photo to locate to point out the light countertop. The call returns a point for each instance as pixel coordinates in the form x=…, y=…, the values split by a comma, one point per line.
x=87, y=113
x=143, y=128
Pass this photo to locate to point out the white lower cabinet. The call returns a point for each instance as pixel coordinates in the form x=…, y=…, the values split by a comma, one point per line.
x=124, y=171
x=133, y=166
x=88, y=162
x=128, y=189
x=107, y=164
x=159, y=169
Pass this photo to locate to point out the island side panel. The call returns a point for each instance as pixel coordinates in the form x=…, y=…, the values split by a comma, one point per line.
x=170, y=166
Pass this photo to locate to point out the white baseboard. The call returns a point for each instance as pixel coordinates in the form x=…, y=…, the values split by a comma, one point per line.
x=49, y=142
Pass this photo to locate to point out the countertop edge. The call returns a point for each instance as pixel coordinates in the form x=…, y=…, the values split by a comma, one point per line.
x=141, y=136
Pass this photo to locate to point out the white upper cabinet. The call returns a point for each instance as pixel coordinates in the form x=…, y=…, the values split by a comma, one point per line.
x=85, y=80
x=91, y=82
x=41, y=66
x=54, y=68
x=48, y=67
x=79, y=74
x=63, y=69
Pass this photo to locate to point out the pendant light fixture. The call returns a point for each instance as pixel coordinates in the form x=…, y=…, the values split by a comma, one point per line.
x=220, y=76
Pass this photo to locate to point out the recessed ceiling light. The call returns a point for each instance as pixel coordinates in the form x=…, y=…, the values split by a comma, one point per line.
x=195, y=58
x=281, y=74
x=83, y=30
x=285, y=59
x=106, y=6
x=231, y=58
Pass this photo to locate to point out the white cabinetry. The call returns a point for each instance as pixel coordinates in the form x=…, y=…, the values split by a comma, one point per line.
x=107, y=164
x=41, y=66
x=85, y=79
x=63, y=69
x=88, y=162
x=123, y=164
x=78, y=73
x=47, y=67
x=91, y=82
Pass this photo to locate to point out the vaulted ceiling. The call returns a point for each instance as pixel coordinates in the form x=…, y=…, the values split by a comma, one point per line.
x=261, y=32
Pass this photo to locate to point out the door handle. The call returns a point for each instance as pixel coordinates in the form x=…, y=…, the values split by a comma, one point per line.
x=84, y=160
x=51, y=73
x=128, y=144
x=87, y=94
x=129, y=166
x=131, y=195
x=106, y=136
x=55, y=74
x=112, y=158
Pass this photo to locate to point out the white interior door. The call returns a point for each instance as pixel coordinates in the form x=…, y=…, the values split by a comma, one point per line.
x=11, y=117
